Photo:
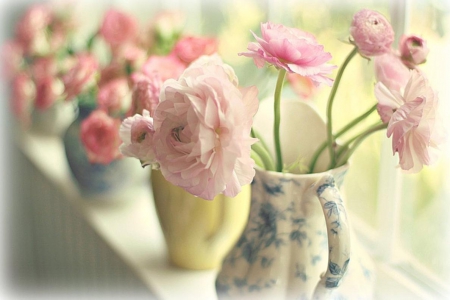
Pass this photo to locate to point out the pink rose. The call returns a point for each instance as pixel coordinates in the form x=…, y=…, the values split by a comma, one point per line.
x=291, y=49
x=136, y=134
x=118, y=28
x=371, y=33
x=415, y=126
x=146, y=94
x=413, y=50
x=22, y=96
x=202, y=132
x=190, y=48
x=32, y=25
x=114, y=96
x=62, y=26
x=110, y=72
x=100, y=137
x=44, y=67
x=48, y=90
x=390, y=70
x=80, y=75
x=166, y=66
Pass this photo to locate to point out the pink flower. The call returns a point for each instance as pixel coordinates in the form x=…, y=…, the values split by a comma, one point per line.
x=291, y=49
x=371, y=32
x=390, y=70
x=48, y=90
x=100, y=137
x=32, y=25
x=80, y=75
x=136, y=134
x=202, y=132
x=114, y=96
x=413, y=50
x=22, y=96
x=215, y=60
x=414, y=123
x=44, y=67
x=146, y=94
x=190, y=48
x=166, y=66
x=118, y=28
x=110, y=72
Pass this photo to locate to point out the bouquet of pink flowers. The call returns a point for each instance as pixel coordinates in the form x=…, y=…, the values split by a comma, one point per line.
x=197, y=130
x=407, y=105
x=35, y=59
x=139, y=61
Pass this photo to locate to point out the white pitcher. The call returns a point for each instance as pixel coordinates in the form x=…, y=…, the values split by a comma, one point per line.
x=297, y=243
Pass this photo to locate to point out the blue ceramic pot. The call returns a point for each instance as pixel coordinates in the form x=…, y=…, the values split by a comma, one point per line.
x=94, y=179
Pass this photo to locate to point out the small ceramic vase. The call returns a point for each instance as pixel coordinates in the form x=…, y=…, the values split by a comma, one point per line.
x=96, y=180
x=198, y=233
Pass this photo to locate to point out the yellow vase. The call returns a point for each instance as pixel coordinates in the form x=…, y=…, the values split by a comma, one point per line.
x=198, y=233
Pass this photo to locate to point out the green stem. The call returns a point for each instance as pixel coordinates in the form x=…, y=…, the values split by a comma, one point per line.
x=277, y=112
x=255, y=134
x=330, y=139
x=357, y=140
x=258, y=161
x=338, y=134
x=264, y=155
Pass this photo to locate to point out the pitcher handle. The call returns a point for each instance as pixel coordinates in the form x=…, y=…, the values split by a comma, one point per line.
x=338, y=237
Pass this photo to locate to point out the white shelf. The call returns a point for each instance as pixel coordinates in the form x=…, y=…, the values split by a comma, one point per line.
x=127, y=223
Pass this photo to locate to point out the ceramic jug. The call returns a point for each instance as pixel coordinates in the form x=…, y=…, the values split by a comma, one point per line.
x=298, y=242
x=198, y=233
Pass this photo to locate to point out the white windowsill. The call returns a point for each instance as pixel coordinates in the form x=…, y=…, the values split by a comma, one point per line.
x=131, y=229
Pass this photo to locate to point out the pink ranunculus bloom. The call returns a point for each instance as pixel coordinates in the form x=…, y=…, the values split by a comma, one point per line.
x=189, y=48
x=390, y=70
x=32, y=25
x=114, y=96
x=216, y=60
x=291, y=49
x=100, y=137
x=48, y=90
x=371, y=32
x=413, y=50
x=301, y=85
x=167, y=66
x=80, y=75
x=118, y=28
x=136, y=133
x=202, y=132
x=146, y=94
x=22, y=97
x=415, y=126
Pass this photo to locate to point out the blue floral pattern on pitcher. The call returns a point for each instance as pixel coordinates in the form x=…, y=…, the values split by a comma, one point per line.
x=284, y=249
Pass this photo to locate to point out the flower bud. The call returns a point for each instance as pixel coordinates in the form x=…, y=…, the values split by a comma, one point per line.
x=413, y=50
x=371, y=33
